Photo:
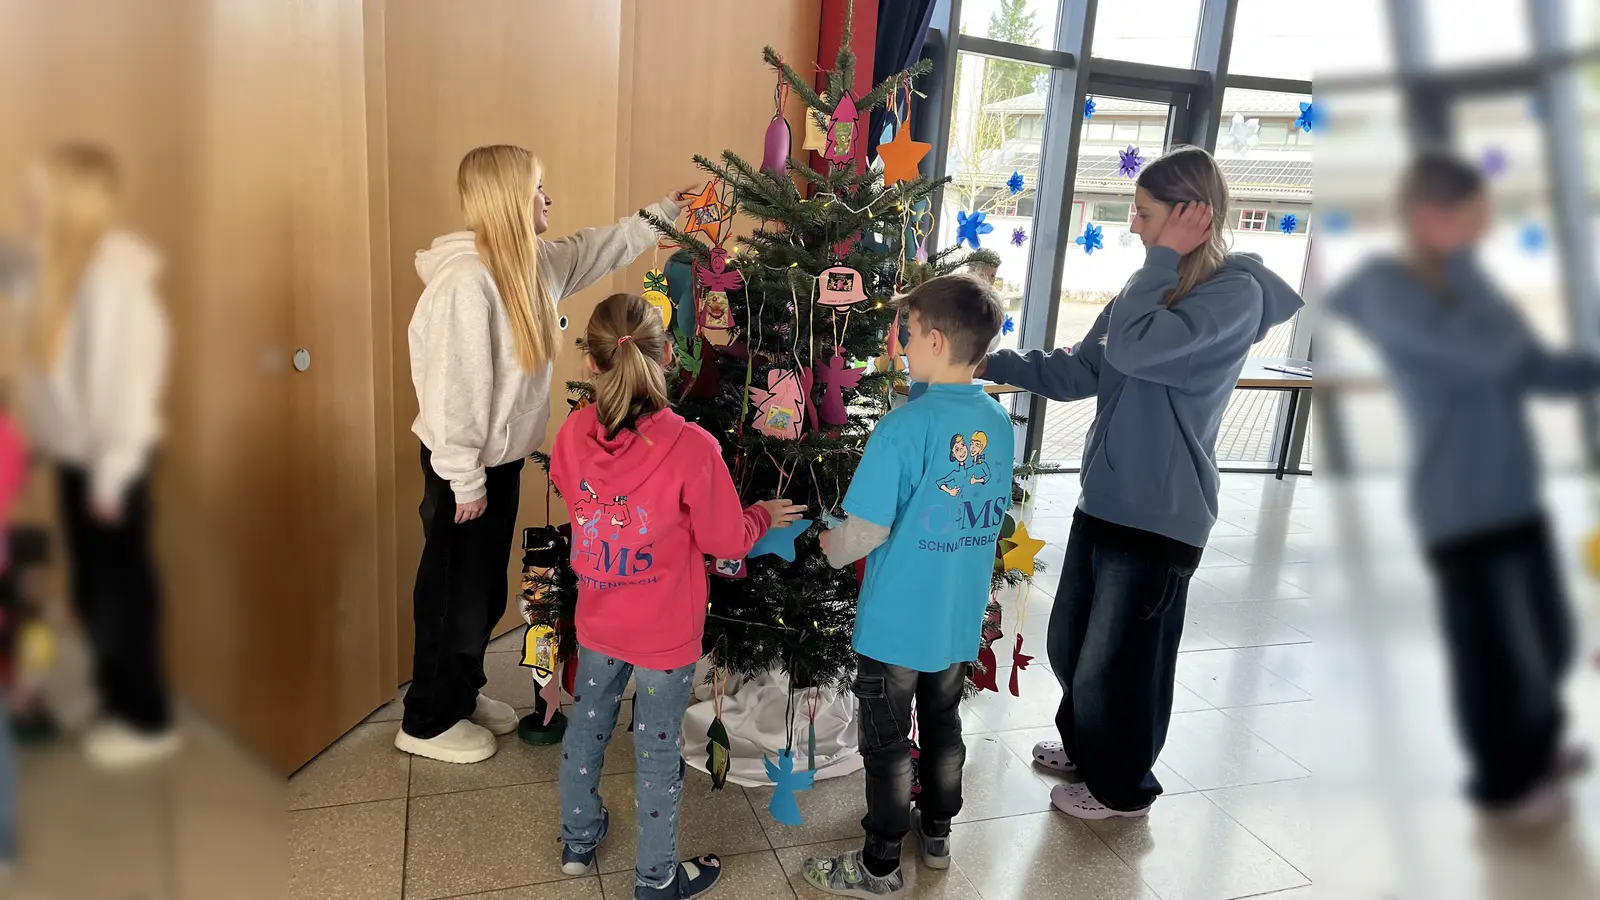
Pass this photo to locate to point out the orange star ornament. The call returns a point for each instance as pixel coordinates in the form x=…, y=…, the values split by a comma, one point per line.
x=707, y=213
x=901, y=156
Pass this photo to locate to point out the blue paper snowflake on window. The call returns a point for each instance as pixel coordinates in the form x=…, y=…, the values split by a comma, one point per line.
x=970, y=227
x=1288, y=222
x=1088, y=107
x=1090, y=240
x=1129, y=162
x=1018, y=236
x=1335, y=221
x=1532, y=237
x=1009, y=326
x=1015, y=182
x=1307, y=118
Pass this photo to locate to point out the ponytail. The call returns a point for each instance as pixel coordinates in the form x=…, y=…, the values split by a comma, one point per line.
x=626, y=340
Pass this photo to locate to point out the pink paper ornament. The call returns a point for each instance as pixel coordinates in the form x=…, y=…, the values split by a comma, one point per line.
x=836, y=377
x=717, y=276
x=775, y=155
x=780, y=407
x=840, y=286
x=841, y=149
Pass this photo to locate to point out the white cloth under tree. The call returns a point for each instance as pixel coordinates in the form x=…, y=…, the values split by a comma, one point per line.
x=754, y=711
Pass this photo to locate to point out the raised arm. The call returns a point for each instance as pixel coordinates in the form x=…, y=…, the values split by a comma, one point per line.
x=576, y=261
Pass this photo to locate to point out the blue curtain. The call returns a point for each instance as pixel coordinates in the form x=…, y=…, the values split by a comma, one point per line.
x=902, y=29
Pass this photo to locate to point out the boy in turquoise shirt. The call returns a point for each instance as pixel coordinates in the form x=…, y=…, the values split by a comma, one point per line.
x=925, y=508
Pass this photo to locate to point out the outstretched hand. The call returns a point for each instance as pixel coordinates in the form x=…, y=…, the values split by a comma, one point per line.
x=1186, y=228
x=683, y=195
x=781, y=511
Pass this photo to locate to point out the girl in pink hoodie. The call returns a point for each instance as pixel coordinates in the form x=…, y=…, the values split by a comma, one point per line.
x=650, y=498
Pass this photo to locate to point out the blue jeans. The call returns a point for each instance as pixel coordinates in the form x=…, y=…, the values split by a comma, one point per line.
x=1113, y=645
x=658, y=707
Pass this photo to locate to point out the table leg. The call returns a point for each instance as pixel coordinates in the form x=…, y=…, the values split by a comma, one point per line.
x=1288, y=432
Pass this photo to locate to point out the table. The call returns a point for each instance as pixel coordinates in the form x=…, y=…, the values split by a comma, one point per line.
x=1257, y=377
x=989, y=387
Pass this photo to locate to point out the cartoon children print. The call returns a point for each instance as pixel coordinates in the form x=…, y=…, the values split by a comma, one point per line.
x=971, y=467
x=590, y=512
x=959, y=454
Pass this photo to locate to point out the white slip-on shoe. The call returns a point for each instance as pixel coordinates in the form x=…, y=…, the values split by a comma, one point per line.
x=463, y=743
x=1075, y=800
x=116, y=745
x=498, y=717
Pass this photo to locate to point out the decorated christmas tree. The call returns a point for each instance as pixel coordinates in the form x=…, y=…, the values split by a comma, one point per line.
x=787, y=338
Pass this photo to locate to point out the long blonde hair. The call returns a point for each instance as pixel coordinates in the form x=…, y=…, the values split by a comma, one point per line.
x=497, y=184
x=627, y=341
x=1189, y=175
x=79, y=185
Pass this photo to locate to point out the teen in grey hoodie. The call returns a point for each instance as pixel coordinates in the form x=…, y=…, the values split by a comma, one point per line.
x=1462, y=363
x=1162, y=360
x=483, y=337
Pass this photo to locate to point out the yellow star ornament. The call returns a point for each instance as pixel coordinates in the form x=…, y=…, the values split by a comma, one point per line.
x=901, y=156
x=1024, y=547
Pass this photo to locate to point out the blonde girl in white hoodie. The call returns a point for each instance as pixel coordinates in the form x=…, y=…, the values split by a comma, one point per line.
x=482, y=338
x=93, y=374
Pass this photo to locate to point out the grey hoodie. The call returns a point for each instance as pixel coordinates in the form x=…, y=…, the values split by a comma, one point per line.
x=1162, y=378
x=475, y=406
x=1462, y=368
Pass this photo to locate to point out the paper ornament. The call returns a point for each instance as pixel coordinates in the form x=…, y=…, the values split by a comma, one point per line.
x=655, y=294
x=816, y=134
x=835, y=377
x=1243, y=134
x=1494, y=162
x=540, y=647
x=713, y=312
x=780, y=407
x=784, y=808
x=718, y=753
x=1019, y=236
x=1307, y=119
x=1127, y=239
x=1024, y=547
x=1335, y=221
x=775, y=147
x=840, y=286
x=1090, y=240
x=1129, y=162
x=707, y=213
x=1088, y=107
x=1009, y=325
x=901, y=156
x=1015, y=183
x=841, y=145
x=970, y=227
x=680, y=288
x=707, y=378
x=1019, y=662
x=1288, y=222
x=716, y=276
x=982, y=675
x=779, y=540
x=1531, y=237
x=732, y=569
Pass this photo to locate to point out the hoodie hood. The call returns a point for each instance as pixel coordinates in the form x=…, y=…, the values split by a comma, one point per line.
x=445, y=249
x=1279, y=301
x=618, y=465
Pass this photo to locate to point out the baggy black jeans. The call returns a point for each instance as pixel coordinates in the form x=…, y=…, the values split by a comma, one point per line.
x=884, y=694
x=118, y=600
x=1113, y=644
x=460, y=594
x=1509, y=633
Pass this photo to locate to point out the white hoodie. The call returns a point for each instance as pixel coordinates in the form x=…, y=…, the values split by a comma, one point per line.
x=476, y=407
x=100, y=406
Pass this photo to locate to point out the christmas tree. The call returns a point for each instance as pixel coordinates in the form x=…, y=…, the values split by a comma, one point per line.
x=787, y=341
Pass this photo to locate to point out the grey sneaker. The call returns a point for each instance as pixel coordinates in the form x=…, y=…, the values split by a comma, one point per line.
x=846, y=876
x=935, y=850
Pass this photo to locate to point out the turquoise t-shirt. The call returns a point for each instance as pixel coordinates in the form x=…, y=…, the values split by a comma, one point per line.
x=937, y=472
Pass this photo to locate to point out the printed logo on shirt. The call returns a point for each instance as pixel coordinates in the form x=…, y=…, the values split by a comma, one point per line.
x=967, y=520
x=609, y=546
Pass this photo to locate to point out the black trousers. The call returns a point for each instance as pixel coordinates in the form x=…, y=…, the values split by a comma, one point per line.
x=1509, y=633
x=884, y=694
x=115, y=592
x=459, y=596
x=1113, y=644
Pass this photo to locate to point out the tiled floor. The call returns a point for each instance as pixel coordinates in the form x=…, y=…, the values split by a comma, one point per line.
x=1234, y=823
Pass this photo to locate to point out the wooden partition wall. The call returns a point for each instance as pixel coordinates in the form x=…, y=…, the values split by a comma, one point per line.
x=289, y=159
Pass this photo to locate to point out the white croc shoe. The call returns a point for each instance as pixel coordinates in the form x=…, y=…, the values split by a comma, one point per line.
x=463, y=743
x=114, y=745
x=498, y=717
x=1050, y=755
x=1075, y=800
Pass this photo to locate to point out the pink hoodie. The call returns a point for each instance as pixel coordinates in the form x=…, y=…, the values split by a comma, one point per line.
x=647, y=507
x=13, y=468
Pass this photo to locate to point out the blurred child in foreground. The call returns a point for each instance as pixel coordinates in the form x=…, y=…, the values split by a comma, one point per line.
x=1462, y=363
x=13, y=467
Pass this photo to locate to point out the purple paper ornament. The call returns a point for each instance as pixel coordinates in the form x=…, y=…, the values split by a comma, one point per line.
x=1019, y=236
x=835, y=377
x=1129, y=162
x=775, y=153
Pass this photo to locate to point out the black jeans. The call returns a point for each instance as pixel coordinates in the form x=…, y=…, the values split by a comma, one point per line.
x=459, y=596
x=1509, y=633
x=1113, y=644
x=884, y=694
x=118, y=601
